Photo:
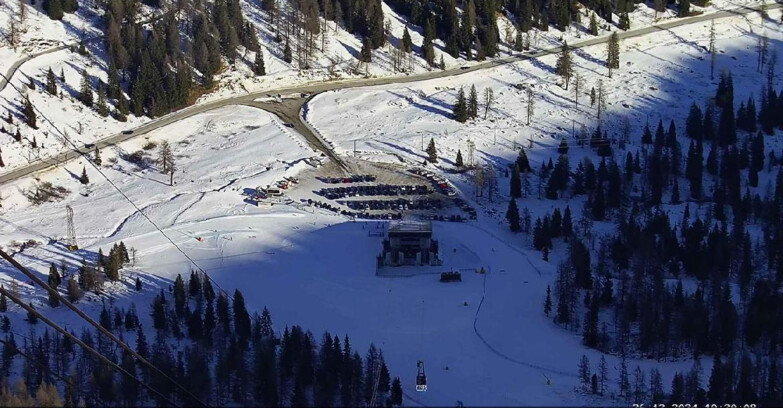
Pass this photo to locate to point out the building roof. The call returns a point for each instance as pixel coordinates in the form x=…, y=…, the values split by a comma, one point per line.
x=410, y=226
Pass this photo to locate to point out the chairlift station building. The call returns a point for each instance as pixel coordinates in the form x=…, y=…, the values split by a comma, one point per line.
x=409, y=243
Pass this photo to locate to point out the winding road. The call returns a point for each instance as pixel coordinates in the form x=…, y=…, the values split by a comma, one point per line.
x=291, y=111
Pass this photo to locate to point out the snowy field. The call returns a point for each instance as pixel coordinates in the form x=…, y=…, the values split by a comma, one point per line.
x=309, y=267
x=485, y=341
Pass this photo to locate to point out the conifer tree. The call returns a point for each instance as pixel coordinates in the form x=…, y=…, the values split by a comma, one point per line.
x=138, y=284
x=564, y=66
x=473, y=103
x=97, y=156
x=432, y=152
x=365, y=55
x=3, y=303
x=31, y=317
x=29, y=115
x=625, y=22
x=593, y=24
x=83, y=178
x=458, y=161
x=516, y=182
x=563, y=148
x=54, y=277
x=407, y=43
x=258, y=67
x=427, y=49
x=683, y=8
x=613, y=53
x=548, y=301
x=85, y=90
x=241, y=317
x=54, y=9
x=122, y=108
x=74, y=292
x=461, y=107
x=396, y=392
x=51, y=82
x=103, y=110
x=180, y=296
x=584, y=372
x=287, y=55
x=512, y=216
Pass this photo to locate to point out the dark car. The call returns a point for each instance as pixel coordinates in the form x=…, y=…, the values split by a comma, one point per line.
x=127, y=132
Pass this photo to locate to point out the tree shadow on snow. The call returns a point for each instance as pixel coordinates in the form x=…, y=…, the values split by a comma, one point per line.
x=428, y=108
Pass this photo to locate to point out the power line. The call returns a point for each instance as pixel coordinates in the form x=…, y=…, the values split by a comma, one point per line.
x=136, y=207
x=93, y=323
x=73, y=338
x=43, y=366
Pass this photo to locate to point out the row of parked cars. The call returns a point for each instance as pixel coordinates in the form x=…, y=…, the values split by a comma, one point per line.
x=356, y=178
x=464, y=206
x=355, y=214
x=440, y=182
x=378, y=190
x=399, y=204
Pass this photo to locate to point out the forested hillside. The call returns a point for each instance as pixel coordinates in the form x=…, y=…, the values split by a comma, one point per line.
x=693, y=265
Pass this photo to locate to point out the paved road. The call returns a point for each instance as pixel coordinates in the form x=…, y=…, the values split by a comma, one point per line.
x=13, y=68
x=288, y=110
x=319, y=87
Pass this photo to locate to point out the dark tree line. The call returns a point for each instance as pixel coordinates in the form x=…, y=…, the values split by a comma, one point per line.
x=703, y=283
x=163, y=68
x=215, y=348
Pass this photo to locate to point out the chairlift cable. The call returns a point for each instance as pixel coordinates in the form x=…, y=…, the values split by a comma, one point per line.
x=73, y=338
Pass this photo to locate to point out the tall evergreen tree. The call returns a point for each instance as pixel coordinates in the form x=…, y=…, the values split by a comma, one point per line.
x=103, y=109
x=85, y=90
x=564, y=66
x=473, y=103
x=54, y=9
x=516, y=182
x=461, y=107
x=51, y=82
x=613, y=53
x=512, y=216
x=29, y=115
x=432, y=152
x=258, y=66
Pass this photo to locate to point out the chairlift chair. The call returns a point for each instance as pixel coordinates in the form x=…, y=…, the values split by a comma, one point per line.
x=421, y=377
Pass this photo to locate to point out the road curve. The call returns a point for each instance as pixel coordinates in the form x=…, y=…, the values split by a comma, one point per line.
x=312, y=89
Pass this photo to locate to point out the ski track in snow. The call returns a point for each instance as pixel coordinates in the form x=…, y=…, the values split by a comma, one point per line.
x=187, y=207
x=501, y=354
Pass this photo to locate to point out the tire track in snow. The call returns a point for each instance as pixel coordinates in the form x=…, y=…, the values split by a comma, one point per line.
x=505, y=356
x=187, y=207
x=527, y=258
x=125, y=220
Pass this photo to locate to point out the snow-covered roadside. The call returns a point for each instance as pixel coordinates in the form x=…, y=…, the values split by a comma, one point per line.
x=660, y=76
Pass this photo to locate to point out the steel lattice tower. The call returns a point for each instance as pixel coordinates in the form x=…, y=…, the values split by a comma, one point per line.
x=70, y=239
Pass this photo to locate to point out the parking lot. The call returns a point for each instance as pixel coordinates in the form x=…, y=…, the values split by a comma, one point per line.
x=399, y=204
x=383, y=191
x=337, y=193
